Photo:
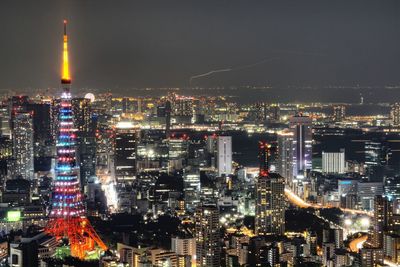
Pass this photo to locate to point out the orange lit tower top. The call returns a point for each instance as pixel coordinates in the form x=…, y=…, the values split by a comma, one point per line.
x=67, y=216
x=65, y=78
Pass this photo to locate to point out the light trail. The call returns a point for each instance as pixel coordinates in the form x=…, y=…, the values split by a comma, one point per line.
x=390, y=263
x=357, y=243
x=108, y=186
x=241, y=67
x=296, y=200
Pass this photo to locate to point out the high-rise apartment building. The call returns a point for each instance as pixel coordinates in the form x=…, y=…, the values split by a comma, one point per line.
x=182, y=245
x=23, y=145
x=208, y=251
x=383, y=212
x=270, y=205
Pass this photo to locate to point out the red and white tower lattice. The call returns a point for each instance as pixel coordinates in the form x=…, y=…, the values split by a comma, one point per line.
x=67, y=216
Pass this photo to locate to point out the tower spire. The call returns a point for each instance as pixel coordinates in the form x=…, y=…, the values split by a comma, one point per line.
x=67, y=216
x=65, y=78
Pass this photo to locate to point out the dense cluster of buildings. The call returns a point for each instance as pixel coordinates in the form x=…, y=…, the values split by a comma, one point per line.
x=174, y=156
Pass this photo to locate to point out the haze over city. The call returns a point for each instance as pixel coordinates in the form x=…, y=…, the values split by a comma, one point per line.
x=139, y=44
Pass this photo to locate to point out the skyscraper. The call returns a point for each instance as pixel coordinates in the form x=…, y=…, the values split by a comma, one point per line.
x=285, y=155
x=167, y=118
x=41, y=124
x=224, y=155
x=207, y=236
x=5, y=127
x=270, y=200
x=125, y=152
x=23, y=145
x=270, y=205
x=383, y=211
x=302, y=142
x=85, y=125
x=67, y=216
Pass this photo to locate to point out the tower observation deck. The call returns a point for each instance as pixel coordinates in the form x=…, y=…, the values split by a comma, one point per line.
x=67, y=216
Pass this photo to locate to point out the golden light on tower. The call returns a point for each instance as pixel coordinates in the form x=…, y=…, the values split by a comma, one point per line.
x=67, y=218
x=65, y=78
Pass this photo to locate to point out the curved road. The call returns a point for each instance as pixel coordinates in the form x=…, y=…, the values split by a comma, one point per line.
x=357, y=243
x=296, y=200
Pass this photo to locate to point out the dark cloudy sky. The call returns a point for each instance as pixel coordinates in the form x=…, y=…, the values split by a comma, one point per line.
x=125, y=43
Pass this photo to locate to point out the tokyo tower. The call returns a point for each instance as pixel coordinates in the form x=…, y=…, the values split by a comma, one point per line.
x=67, y=216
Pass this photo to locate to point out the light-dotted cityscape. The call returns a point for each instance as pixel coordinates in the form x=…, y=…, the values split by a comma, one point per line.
x=195, y=175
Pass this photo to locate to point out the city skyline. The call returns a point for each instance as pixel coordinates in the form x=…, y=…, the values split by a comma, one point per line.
x=287, y=175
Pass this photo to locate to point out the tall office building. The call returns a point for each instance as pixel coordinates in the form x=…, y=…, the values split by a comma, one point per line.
x=41, y=116
x=5, y=127
x=87, y=158
x=23, y=145
x=392, y=188
x=224, y=155
x=208, y=251
x=366, y=192
x=270, y=200
x=333, y=162
x=167, y=118
x=191, y=189
x=302, y=143
x=85, y=123
x=125, y=152
x=377, y=154
x=395, y=114
x=285, y=155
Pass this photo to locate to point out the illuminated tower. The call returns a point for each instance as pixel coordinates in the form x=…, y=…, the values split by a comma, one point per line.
x=67, y=216
x=302, y=144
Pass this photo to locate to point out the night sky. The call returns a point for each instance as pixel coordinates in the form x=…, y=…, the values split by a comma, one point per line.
x=125, y=44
